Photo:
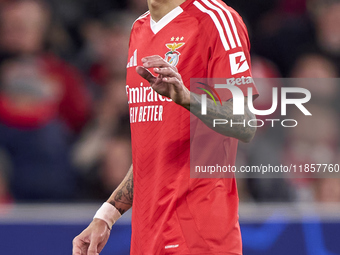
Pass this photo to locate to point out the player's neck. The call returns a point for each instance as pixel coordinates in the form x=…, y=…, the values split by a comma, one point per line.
x=159, y=8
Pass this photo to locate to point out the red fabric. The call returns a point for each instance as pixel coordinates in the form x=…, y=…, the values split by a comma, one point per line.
x=71, y=102
x=75, y=105
x=172, y=213
x=29, y=118
x=99, y=74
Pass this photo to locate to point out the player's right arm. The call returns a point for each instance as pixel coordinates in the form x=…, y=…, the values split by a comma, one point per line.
x=93, y=239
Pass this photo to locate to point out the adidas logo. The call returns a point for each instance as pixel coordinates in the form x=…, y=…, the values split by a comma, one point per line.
x=133, y=60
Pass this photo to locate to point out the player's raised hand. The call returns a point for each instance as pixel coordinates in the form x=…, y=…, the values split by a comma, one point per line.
x=168, y=82
x=92, y=240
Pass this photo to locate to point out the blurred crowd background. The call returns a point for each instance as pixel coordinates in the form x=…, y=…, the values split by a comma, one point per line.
x=64, y=125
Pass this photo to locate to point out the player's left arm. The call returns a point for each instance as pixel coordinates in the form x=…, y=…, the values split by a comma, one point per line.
x=169, y=83
x=244, y=133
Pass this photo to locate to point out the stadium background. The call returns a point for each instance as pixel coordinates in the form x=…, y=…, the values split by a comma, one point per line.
x=64, y=131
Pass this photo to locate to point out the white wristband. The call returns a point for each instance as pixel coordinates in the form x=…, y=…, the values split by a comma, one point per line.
x=108, y=213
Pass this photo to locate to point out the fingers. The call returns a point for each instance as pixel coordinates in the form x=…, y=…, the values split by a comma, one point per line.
x=92, y=240
x=161, y=67
x=76, y=250
x=155, y=61
x=172, y=80
x=167, y=72
x=93, y=248
x=78, y=246
x=86, y=247
x=169, y=76
x=146, y=74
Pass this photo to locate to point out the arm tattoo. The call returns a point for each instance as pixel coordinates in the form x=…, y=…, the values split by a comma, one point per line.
x=122, y=197
x=125, y=194
x=120, y=210
x=242, y=132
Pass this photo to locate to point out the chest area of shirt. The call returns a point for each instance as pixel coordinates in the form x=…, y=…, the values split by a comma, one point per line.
x=174, y=43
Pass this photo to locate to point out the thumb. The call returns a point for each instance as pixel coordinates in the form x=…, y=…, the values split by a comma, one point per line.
x=145, y=73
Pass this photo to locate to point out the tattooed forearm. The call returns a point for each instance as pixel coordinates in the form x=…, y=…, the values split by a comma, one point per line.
x=125, y=193
x=242, y=132
x=122, y=197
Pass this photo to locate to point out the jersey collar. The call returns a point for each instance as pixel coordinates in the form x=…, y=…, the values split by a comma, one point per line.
x=157, y=26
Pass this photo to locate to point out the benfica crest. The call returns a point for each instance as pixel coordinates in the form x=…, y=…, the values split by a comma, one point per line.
x=172, y=56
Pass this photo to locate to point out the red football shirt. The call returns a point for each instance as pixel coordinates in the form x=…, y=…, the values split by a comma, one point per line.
x=172, y=213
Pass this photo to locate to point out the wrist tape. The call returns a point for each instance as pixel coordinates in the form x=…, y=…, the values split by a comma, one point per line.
x=108, y=213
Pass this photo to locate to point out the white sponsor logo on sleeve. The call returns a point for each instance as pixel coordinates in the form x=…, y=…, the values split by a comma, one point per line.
x=238, y=63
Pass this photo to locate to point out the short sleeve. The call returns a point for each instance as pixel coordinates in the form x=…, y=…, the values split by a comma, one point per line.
x=230, y=51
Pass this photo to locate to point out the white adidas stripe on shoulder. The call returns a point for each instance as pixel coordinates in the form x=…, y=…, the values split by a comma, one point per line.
x=141, y=17
x=212, y=7
x=216, y=22
x=224, y=20
x=231, y=21
x=144, y=14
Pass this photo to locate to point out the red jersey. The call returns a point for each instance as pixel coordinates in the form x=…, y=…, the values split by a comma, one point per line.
x=173, y=213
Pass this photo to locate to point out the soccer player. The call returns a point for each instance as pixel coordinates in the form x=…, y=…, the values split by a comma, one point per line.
x=172, y=213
